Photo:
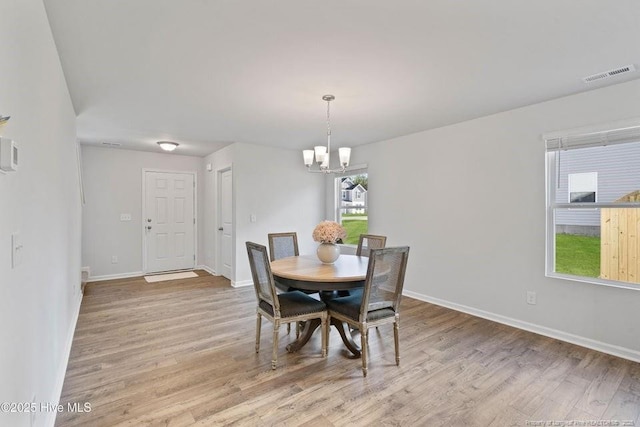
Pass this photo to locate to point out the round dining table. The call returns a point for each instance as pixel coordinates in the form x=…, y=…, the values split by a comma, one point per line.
x=308, y=273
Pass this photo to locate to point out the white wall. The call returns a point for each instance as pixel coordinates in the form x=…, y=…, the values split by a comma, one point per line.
x=220, y=160
x=272, y=184
x=39, y=300
x=112, y=186
x=475, y=220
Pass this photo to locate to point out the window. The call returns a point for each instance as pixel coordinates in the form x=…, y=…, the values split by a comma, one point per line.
x=593, y=207
x=352, y=212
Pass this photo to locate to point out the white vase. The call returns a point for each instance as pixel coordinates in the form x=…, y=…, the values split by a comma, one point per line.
x=328, y=253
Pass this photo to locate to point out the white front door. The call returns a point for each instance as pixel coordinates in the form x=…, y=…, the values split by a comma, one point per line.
x=225, y=226
x=169, y=222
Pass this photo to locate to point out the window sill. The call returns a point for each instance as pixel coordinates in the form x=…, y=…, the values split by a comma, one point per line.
x=594, y=281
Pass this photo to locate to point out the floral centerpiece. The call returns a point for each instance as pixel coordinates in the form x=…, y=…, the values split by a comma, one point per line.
x=327, y=233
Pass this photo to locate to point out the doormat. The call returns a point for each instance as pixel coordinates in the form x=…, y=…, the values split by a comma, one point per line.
x=170, y=276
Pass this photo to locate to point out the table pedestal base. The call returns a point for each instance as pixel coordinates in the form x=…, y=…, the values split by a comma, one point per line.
x=311, y=326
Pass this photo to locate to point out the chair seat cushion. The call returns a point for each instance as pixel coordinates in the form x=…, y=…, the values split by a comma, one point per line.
x=350, y=307
x=295, y=303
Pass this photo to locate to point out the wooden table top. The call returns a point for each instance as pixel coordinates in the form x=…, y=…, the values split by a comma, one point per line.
x=348, y=268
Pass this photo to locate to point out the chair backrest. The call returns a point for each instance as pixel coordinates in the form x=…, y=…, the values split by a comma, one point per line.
x=368, y=242
x=384, y=281
x=282, y=245
x=261, y=272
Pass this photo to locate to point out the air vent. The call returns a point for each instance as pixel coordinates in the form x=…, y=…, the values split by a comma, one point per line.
x=112, y=144
x=608, y=74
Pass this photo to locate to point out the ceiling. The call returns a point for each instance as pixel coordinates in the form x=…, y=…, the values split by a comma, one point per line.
x=206, y=73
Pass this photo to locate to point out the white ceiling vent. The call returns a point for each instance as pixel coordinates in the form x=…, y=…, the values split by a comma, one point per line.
x=608, y=74
x=112, y=144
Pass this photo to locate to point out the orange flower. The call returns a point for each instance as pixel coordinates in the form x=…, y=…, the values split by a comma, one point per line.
x=329, y=232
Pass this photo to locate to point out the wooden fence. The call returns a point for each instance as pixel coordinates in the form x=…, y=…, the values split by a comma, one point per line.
x=619, y=244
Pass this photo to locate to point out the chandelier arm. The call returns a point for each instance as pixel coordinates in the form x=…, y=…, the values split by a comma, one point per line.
x=327, y=170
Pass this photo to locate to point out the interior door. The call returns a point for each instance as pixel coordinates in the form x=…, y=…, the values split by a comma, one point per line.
x=225, y=227
x=169, y=223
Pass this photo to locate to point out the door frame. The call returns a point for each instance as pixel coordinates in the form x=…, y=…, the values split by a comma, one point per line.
x=218, y=237
x=144, y=213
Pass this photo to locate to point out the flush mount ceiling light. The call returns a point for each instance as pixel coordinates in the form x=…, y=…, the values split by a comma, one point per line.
x=322, y=153
x=168, y=145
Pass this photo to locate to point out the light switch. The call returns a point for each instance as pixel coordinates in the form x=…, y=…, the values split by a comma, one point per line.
x=16, y=250
x=252, y=218
x=125, y=217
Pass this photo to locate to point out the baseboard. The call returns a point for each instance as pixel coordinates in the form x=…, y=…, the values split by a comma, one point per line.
x=241, y=283
x=614, y=350
x=207, y=269
x=116, y=276
x=50, y=418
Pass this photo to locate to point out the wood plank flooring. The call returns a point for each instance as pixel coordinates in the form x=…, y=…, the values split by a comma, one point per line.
x=181, y=353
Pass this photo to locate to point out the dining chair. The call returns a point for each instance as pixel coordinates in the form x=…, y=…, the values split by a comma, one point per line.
x=294, y=306
x=379, y=303
x=368, y=242
x=282, y=245
x=365, y=244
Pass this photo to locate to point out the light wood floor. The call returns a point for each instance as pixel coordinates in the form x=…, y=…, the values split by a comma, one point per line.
x=182, y=353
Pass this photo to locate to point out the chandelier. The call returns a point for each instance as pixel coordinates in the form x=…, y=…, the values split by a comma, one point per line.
x=322, y=153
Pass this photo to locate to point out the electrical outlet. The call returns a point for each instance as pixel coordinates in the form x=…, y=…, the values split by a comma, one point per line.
x=114, y=259
x=531, y=298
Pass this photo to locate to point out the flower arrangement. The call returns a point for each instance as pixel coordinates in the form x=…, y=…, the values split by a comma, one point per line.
x=329, y=232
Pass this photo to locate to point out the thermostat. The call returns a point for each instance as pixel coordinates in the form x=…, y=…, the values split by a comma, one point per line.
x=8, y=155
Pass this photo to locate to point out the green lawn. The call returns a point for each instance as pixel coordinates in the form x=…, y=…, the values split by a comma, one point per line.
x=579, y=255
x=354, y=227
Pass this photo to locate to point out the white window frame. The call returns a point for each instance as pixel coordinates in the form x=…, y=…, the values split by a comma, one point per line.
x=556, y=143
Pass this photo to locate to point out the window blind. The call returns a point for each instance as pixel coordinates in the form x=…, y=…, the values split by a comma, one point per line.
x=597, y=138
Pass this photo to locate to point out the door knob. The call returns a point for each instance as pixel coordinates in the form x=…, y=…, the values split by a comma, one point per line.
x=148, y=227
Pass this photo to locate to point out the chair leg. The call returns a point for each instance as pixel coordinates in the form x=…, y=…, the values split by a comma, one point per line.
x=274, y=356
x=288, y=328
x=258, y=326
x=325, y=334
x=396, y=330
x=363, y=350
x=298, y=329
